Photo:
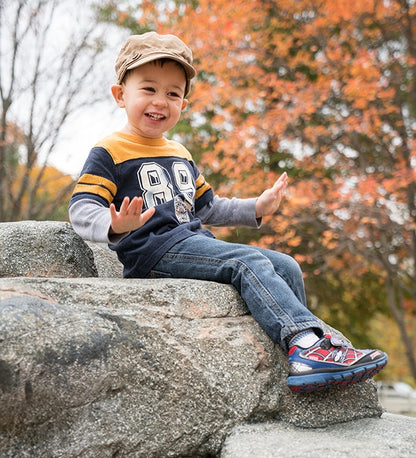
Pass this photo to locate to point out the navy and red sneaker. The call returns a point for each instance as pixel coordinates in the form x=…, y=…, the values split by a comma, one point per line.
x=331, y=362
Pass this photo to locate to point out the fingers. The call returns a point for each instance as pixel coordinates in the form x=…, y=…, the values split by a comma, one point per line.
x=146, y=215
x=130, y=216
x=283, y=179
x=135, y=207
x=113, y=211
x=130, y=208
x=280, y=184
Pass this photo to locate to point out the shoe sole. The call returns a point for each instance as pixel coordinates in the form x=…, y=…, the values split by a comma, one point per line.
x=324, y=380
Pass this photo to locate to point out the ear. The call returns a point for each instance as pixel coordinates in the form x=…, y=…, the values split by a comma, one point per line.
x=184, y=103
x=117, y=91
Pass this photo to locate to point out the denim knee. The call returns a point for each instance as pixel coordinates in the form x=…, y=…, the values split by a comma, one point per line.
x=293, y=268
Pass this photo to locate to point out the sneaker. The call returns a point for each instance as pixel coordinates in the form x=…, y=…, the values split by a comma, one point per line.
x=331, y=362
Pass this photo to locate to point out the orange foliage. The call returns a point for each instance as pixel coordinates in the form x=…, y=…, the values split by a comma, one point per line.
x=44, y=194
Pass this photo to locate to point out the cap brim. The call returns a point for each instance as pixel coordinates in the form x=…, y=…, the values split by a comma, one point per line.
x=189, y=69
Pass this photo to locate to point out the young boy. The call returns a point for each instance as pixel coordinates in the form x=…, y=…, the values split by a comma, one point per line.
x=144, y=195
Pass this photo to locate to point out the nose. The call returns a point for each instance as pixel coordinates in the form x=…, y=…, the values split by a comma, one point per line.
x=159, y=100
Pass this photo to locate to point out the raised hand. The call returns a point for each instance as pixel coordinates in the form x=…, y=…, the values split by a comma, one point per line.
x=130, y=216
x=269, y=201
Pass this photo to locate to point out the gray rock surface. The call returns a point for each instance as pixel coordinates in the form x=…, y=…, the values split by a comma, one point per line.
x=43, y=249
x=106, y=261
x=142, y=367
x=98, y=367
x=391, y=436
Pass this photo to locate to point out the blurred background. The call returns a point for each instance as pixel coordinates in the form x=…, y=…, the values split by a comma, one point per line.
x=323, y=90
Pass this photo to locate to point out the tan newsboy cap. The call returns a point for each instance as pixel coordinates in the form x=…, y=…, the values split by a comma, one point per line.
x=141, y=49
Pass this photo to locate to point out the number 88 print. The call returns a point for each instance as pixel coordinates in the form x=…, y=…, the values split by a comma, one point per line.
x=158, y=185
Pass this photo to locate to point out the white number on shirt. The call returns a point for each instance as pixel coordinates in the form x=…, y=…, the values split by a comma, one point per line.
x=155, y=181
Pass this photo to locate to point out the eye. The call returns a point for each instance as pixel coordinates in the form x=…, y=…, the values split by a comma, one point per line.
x=173, y=94
x=149, y=89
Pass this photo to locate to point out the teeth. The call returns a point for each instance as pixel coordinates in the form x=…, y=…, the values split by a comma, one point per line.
x=155, y=116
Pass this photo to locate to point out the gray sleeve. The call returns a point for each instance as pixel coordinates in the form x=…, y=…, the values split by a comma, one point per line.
x=222, y=211
x=92, y=221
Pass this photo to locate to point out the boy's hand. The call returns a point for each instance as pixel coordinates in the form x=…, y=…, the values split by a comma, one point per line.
x=270, y=200
x=130, y=216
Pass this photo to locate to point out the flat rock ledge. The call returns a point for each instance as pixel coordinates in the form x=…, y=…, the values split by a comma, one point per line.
x=391, y=436
x=94, y=365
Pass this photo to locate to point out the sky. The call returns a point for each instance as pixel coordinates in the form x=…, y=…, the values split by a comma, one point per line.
x=51, y=36
x=82, y=132
x=90, y=124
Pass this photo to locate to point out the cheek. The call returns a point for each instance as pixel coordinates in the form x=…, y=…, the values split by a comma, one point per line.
x=178, y=107
x=134, y=107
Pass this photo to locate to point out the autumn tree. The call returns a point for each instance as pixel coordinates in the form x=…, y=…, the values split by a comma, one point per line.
x=353, y=67
x=326, y=91
x=48, y=52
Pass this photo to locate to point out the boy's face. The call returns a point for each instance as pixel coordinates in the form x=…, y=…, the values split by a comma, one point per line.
x=153, y=97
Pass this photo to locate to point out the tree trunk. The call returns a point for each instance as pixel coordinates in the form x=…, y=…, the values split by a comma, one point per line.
x=400, y=321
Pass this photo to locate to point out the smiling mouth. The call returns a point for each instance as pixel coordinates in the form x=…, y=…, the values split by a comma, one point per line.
x=155, y=116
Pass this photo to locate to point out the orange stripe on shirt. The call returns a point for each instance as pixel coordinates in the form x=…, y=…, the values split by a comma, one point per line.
x=95, y=184
x=201, y=187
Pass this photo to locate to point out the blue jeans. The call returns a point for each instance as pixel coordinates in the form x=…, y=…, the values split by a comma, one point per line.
x=269, y=282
